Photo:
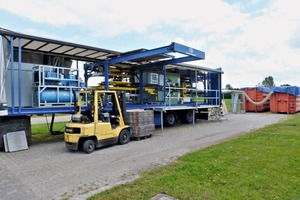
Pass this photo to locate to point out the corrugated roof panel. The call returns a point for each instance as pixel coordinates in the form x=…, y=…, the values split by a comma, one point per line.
x=49, y=47
x=62, y=49
x=104, y=56
x=97, y=55
x=86, y=53
x=34, y=45
x=23, y=42
x=75, y=51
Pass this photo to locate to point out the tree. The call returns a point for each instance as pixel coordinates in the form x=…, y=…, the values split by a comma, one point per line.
x=268, y=82
x=285, y=84
x=228, y=87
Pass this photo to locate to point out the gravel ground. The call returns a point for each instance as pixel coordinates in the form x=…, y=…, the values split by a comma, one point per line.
x=49, y=171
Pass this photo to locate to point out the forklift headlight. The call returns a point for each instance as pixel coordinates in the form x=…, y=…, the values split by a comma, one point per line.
x=72, y=130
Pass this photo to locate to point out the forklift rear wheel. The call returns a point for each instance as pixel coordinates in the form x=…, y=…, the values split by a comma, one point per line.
x=88, y=146
x=124, y=136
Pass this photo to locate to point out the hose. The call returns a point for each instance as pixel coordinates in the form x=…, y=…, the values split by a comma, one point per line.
x=250, y=100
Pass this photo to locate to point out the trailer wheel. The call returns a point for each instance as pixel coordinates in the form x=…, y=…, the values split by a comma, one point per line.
x=170, y=119
x=188, y=117
x=124, y=136
x=89, y=146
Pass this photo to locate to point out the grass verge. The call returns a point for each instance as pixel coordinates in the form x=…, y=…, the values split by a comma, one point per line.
x=40, y=132
x=263, y=164
x=228, y=105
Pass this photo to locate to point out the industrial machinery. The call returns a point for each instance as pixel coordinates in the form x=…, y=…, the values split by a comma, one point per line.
x=101, y=125
x=40, y=76
x=157, y=80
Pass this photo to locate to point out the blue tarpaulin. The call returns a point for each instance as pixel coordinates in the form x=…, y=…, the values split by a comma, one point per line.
x=262, y=89
x=293, y=90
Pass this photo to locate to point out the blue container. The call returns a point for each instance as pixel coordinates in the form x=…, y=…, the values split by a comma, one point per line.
x=52, y=96
x=51, y=74
x=72, y=83
x=157, y=119
x=70, y=76
x=82, y=84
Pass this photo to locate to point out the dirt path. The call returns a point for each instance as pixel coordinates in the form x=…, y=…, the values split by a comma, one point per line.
x=49, y=171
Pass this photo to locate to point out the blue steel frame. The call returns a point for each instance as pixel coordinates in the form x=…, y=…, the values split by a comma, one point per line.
x=20, y=111
x=190, y=55
x=12, y=76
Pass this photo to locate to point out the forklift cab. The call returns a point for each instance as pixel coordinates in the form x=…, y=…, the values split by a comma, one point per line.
x=102, y=125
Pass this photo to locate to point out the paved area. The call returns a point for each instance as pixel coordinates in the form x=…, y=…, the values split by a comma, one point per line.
x=49, y=171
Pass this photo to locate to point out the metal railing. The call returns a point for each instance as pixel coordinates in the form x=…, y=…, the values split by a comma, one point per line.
x=195, y=98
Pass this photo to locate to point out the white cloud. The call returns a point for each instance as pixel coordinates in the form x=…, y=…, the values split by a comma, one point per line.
x=248, y=46
x=117, y=17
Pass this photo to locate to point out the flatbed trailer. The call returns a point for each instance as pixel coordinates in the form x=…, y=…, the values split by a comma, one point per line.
x=157, y=80
x=36, y=79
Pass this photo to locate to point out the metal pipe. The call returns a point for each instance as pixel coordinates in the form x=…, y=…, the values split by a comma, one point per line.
x=12, y=76
x=164, y=70
x=20, y=73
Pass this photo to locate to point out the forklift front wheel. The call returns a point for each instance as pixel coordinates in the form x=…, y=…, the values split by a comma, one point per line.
x=124, y=136
x=89, y=146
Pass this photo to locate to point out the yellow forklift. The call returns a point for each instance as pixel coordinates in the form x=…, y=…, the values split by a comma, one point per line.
x=100, y=125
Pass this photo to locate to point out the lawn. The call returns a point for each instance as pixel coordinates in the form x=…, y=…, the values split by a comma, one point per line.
x=228, y=104
x=264, y=164
x=41, y=133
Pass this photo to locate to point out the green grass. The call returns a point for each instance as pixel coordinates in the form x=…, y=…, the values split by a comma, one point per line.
x=228, y=104
x=264, y=164
x=40, y=132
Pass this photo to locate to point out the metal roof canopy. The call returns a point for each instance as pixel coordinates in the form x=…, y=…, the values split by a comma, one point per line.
x=161, y=54
x=70, y=50
x=194, y=67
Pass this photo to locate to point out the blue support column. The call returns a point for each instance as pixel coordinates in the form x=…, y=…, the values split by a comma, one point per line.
x=141, y=86
x=86, y=77
x=215, y=85
x=165, y=75
x=220, y=88
x=20, y=73
x=106, y=72
x=12, y=76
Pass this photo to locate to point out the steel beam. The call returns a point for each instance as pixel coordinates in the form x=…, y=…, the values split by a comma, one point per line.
x=191, y=54
x=200, y=55
x=12, y=75
x=20, y=73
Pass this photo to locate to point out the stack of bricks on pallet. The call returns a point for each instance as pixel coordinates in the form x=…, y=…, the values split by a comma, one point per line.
x=142, y=122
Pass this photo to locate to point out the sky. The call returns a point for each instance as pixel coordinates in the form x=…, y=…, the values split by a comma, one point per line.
x=249, y=40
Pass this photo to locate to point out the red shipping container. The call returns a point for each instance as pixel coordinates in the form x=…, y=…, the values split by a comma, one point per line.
x=257, y=94
x=284, y=103
x=286, y=99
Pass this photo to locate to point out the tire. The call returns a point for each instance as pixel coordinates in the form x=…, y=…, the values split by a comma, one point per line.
x=188, y=117
x=124, y=136
x=89, y=146
x=170, y=119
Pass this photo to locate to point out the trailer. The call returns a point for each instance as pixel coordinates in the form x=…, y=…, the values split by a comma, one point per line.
x=160, y=80
x=38, y=77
